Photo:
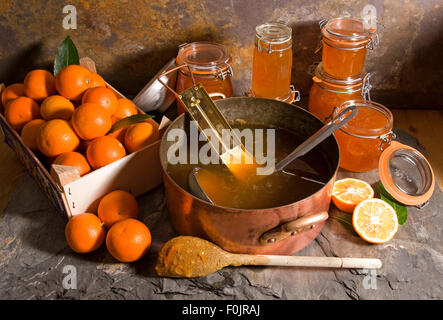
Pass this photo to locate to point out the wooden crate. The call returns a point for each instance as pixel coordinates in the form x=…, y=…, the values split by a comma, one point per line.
x=71, y=194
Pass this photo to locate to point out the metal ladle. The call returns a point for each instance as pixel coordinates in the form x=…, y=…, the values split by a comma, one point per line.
x=319, y=136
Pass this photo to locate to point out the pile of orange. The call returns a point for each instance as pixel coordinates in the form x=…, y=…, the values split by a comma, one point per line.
x=68, y=118
x=127, y=239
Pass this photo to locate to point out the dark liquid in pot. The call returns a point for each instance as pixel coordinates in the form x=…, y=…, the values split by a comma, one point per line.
x=269, y=191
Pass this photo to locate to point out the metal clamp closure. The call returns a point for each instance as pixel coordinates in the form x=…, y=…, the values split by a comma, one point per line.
x=386, y=140
x=373, y=42
x=296, y=93
x=322, y=23
x=366, y=88
x=293, y=227
x=222, y=74
x=269, y=45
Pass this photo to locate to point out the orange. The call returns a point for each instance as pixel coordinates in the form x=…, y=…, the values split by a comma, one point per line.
x=116, y=206
x=375, y=221
x=57, y=107
x=96, y=80
x=125, y=108
x=72, y=81
x=349, y=192
x=128, y=240
x=39, y=84
x=30, y=133
x=140, y=135
x=12, y=92
x=74, y=159
x=119, y=134
x=91, y=120
x=56, y=137
x=103, y=151
x=101, y=96
x=20, y=111
x=85, y=233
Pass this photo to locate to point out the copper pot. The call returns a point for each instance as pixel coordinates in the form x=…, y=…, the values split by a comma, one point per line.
x=281, y=230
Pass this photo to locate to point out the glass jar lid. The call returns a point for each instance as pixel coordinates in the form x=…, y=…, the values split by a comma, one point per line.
x=406, y=174
x=274, y=32
x=346, y=29
x=204, y=57
x=351, y=84
x=373, y=120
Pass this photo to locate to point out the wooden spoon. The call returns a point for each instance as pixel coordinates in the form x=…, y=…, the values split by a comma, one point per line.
x=190, y=257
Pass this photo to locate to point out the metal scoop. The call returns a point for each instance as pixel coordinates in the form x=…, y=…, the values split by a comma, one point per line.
x=324, y=132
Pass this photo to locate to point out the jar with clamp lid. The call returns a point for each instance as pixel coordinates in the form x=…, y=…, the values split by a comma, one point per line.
x=210, y=64
x=272, y=62
x=363, y=139
x=327, y=92
x=344, y=43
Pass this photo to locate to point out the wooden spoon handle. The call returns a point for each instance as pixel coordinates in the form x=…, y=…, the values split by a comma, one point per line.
x=300, y=261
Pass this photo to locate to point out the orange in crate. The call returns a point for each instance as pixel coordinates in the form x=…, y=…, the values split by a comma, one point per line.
x=30, y=133
x=125, y=108
x=57, y=107
x=12, y=92
x=103, y=97
x=20, y=111
x=140, y=135
x=74, y=159
x=91, y=120
x=39, y=84
x=56, y=137
x=72, y=81
x=103, y=151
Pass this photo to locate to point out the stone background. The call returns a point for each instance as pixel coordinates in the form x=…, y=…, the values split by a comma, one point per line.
x=132, y=40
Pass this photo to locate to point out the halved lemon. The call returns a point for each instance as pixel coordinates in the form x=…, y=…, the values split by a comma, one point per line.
x=349, y=192
x=375, y=221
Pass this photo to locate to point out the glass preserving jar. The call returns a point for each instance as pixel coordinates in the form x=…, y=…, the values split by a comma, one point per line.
x=328, y=93
x=345, y=42
x=363, y=139
x=210, y=64
x=272, y=62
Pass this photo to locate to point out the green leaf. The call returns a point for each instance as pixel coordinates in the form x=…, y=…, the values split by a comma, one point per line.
x=126, y=122
x=346, y=222
x=67, y=54
x=401, y=210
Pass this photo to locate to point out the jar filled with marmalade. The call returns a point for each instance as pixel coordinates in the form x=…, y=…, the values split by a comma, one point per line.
x=210, y=64
x=272, y=62
x=344, y=43
x=363, y=139
x=328, y=93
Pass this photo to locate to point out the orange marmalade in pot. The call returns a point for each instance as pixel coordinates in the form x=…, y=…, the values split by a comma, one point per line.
x=344, y=47
x=272, y=62
x=327, y=93
x=363, y=139
x=210, y=64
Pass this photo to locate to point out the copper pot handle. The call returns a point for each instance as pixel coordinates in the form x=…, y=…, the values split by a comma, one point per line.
x=293, y=227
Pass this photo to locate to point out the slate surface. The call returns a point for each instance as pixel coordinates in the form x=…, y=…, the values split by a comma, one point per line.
x=33, y=255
